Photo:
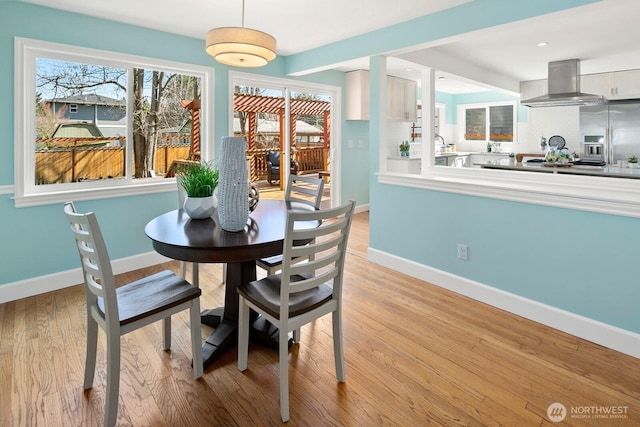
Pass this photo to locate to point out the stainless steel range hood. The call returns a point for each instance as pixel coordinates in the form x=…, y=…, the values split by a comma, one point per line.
x=564, y=87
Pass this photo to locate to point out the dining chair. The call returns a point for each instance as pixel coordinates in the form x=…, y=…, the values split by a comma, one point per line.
x=120, y=310
x=305, y=189
x=303, y=291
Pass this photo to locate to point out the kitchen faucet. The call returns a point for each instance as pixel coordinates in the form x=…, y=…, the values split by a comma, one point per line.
x=443, y=146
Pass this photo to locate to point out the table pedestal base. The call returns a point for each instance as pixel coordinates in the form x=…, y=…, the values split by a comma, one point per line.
x=212, y=316
x=225, y=334
x=263, y=332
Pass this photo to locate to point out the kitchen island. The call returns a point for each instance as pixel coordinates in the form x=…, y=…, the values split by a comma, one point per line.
x=412, y=164
x=606, y=171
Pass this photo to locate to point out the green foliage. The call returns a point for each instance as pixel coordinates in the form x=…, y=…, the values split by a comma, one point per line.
x=633, y=159
x=404, y=147
x=199, y=180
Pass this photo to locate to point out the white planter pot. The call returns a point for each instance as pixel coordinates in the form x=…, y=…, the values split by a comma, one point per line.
x=200, y=207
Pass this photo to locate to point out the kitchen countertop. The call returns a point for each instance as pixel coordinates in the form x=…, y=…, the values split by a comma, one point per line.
x=608, y=171
x=451, y=154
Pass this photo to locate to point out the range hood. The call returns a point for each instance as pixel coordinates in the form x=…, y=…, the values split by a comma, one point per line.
x=564, y=87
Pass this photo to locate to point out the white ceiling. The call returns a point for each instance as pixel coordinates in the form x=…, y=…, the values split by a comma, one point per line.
x=603, y=35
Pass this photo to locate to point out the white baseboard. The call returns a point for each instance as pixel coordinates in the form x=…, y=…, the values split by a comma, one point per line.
x=609, y=336
x=361, y=208
x=51, y=282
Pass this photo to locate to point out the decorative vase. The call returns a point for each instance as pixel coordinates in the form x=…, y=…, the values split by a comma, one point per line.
x=199, y=207
x=254, y=198
x=233, y=203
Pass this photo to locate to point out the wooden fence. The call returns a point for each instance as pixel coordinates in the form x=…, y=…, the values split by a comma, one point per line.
x=71, y=164
x=79, y=163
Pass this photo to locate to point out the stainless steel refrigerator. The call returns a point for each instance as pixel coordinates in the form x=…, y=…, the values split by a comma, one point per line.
x=618, y=126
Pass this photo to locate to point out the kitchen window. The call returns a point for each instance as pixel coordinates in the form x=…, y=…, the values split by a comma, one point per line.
x=498, y=119
x=88, y=122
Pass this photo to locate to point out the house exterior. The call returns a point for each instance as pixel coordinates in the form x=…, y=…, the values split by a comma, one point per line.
x=108, y=114
x=524, y=257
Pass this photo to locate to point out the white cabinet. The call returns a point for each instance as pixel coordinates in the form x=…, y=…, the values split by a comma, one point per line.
x=532, y=89
x=625, y=85
x=402, y=99
x=476, y=160
x=357, y=95
x=398, y=165
x=616, y=85
x=596, y=84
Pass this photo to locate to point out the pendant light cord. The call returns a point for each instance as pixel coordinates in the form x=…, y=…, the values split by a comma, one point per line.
x=242, y=13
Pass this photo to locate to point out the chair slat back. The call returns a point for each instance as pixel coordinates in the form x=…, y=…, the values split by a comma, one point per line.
x=94, y=258
x=305, y=189
x=326, y=251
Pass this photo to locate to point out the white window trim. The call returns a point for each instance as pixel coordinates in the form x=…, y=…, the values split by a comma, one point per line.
x=247, y=79
x=26, y=193
x=462, y=127
x=615, y=196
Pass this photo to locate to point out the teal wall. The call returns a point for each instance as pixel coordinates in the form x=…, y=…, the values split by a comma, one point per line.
x=577, y=261
x=35, y=240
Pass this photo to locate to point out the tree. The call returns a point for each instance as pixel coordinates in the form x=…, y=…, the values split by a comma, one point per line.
x=46, y=119
x=150, y=113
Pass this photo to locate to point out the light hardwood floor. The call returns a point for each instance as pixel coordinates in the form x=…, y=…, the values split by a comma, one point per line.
x=415, y=355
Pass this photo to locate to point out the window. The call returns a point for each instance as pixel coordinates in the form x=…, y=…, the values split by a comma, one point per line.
x=101, y=124
x=498, y=119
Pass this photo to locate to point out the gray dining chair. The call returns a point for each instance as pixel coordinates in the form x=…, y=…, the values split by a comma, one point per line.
x=120, y=310
x=304, y=189
x=303, y=291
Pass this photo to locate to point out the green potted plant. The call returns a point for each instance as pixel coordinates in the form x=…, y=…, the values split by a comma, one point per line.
x=633, y=161
x=199, y=181
x=404, y=149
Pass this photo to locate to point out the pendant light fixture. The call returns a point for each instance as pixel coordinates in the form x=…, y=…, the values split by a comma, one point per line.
x=240, y=46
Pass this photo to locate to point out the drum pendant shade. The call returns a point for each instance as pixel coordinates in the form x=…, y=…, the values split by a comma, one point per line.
x=240, y=46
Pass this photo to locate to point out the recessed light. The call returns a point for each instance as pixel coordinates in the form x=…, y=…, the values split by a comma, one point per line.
x=441, y=78
x=408, y=69
x=541, y=44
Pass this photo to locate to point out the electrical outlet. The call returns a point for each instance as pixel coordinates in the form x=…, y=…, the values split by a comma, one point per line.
x=462, y=252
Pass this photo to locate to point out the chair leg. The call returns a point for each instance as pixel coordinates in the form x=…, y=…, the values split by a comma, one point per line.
x=195, y=274
x=224, y=274
x=92, y=348
x=196, y=338
x=113, y=380
x=296, y=335
x=243, y=335
x=183, y=269
x=337, y=344
x=283, y=356
x=166, y=333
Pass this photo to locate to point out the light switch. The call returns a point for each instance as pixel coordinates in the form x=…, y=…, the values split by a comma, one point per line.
x=350, y=143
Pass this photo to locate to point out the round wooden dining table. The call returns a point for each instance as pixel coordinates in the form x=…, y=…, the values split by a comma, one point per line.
x=177, y=236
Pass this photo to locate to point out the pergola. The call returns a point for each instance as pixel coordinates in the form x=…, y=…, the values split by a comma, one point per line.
x=252, y=104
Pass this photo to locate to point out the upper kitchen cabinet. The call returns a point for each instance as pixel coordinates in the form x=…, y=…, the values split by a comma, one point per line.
x=533, y=89
x=357, y=95
x=402, y=99
x=616, y=85
x=402, y=96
